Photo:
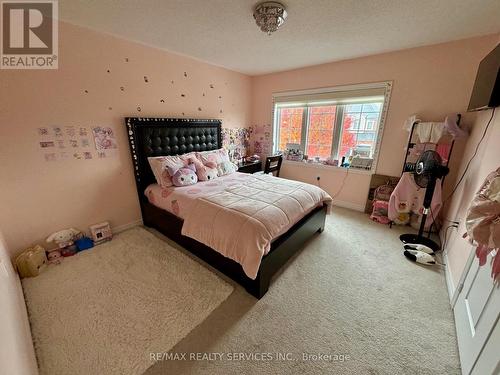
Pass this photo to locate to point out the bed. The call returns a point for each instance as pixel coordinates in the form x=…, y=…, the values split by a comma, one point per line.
x=169, y=136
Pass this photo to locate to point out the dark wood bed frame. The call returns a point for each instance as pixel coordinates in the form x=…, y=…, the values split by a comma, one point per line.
x=170, y=136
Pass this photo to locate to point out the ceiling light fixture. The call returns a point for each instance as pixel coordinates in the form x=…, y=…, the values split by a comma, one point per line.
x=269, y=16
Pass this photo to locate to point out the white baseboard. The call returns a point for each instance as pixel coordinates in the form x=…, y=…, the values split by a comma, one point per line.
x=350, y=205
x=124, y=227
x=449, y=279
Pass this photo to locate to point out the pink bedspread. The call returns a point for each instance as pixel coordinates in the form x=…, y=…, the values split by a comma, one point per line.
x=180, y=200
x=241, y=220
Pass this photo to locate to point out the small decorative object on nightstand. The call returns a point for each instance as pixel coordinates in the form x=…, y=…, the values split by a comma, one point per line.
x=101, y=232
x=250, y=166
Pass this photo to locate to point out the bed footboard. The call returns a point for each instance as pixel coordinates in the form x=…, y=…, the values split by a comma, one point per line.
x=282, y=249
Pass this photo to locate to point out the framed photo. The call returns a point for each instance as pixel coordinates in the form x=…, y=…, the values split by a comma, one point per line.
x=101, y=232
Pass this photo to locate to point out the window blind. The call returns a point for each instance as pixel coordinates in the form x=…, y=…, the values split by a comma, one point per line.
x=342, y=96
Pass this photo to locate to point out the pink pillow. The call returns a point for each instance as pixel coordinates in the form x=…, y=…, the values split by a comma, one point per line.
x=160, y=164
x=219, y=157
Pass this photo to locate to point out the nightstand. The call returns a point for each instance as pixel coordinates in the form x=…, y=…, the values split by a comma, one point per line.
x=250, y=166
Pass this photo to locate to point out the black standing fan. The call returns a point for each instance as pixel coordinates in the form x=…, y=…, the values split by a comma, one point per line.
x=426, y=171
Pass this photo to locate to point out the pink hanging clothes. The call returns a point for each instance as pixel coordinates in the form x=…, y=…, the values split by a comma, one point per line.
x=409, y=197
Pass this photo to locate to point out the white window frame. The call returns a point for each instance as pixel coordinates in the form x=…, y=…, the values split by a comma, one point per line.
x=355, y=88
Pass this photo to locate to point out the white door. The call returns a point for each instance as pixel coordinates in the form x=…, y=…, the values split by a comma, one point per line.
x=476, y=315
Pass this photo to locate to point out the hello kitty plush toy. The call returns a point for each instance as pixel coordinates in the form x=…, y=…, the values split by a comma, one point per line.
x=205, y=172
x=184, y=176
x=64, y=237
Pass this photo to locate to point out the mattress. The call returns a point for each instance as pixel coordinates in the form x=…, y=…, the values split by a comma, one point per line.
x=178, y=200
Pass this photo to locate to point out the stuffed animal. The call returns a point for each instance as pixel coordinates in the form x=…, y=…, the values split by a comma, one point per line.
x=226, y=167
x=184, y=176
x=205, y=172
x=64, y=237
x=54, y=257
x=68, y=251
x=31, y=261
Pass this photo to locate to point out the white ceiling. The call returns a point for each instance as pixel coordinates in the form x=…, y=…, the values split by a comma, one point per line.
x=224, y=33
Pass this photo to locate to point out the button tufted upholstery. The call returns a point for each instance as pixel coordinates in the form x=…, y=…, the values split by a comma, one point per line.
x=167, y=136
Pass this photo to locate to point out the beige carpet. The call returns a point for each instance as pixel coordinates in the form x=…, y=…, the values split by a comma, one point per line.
x=104, y=310
x=350, y=292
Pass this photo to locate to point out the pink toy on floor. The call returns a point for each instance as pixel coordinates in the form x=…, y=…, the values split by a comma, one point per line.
x=379, y=213
x=381, y=197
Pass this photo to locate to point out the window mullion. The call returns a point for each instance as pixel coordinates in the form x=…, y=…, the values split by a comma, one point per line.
x=277, y=129
x=337, y=131
x=304, y=130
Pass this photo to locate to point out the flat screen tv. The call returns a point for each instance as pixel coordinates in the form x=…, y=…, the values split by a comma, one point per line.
x=486, y=91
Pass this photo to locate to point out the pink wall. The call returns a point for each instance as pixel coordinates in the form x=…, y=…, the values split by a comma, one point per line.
x=430, y=81
x=39, y=197
x=486, y=161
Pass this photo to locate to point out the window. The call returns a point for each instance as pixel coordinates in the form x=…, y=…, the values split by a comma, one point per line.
x=331, y=123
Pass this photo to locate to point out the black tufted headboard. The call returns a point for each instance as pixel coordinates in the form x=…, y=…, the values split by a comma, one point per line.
x=167, y=136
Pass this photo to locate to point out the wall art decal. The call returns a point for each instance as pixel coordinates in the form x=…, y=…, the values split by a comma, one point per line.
x=43, y=132
x=139, y=109
x=126, y=59
x=212, y=86
x=50, y=156
x=146, y=79
x=87, y=155
x=82, y=132
x=104, y=138
x=185, y=74
x=61, y=138
x=262, y=139
x=70, y=131
x=58, y=132
x=122, y=88
x=101, y=154
x=47, y=144
x=162, y=101
x=237, y=142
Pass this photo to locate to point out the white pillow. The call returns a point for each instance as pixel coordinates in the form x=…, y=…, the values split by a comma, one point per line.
x=160, y=164
x=226, y=167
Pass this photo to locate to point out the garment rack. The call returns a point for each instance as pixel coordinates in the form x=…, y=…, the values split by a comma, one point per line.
x=411, y=144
